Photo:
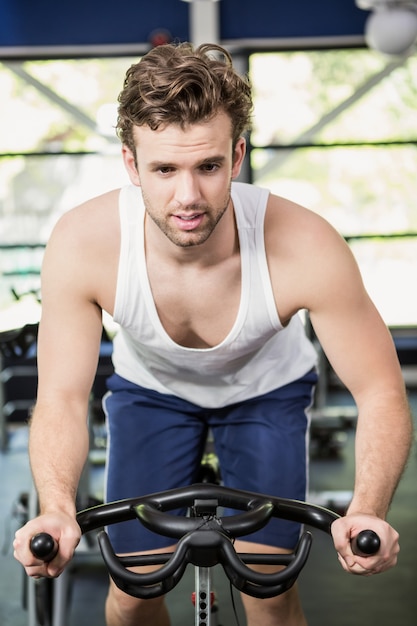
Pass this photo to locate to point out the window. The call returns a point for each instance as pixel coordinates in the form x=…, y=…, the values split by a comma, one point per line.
x=334, y=130
x=58, y=147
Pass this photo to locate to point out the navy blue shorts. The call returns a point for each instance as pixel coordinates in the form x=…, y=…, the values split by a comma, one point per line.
x=156, y=442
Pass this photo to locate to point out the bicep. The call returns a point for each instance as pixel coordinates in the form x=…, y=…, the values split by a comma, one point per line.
x=70, y=327
x=68, y=348
x=352, y=333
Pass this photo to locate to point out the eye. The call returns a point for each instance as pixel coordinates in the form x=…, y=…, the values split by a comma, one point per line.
x=165, y=169
x=210, y=167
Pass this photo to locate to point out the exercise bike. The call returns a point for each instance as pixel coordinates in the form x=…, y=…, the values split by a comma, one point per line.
x=204, y=539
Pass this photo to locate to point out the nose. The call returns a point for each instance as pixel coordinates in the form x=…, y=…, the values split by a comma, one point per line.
x=187, y=189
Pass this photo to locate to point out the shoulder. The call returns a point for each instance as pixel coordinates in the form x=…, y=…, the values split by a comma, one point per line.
x=307, y=258
x=84, y=243
x=90, y=223
x=291, y=228
x=91, y=212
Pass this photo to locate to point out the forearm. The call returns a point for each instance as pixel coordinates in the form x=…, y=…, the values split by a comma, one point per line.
x=58, y=448
x=383, y=440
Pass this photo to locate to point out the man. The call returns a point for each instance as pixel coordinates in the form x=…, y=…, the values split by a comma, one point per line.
x=205, y=278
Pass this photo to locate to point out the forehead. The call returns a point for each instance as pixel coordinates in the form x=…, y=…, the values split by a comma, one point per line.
x=214, y=135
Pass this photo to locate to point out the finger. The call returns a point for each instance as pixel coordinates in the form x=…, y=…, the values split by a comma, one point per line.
x=365, y=566
x=36, y=571
x=353, y=567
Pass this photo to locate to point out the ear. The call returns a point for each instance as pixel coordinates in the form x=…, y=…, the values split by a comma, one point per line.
x=238, y=156
x=130, y=165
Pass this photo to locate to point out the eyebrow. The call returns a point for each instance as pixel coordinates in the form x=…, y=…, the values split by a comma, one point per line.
x=219, y=159
x=158, y=164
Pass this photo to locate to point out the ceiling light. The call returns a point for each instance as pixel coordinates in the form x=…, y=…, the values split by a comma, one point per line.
x=391, y=28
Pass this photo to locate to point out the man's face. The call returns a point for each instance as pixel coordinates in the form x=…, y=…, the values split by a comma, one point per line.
x=185, y=176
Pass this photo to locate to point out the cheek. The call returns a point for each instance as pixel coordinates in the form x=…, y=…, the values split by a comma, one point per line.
x=155, y=197
x=216, y=187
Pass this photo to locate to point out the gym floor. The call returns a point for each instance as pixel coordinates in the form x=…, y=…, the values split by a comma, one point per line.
x=330, y=596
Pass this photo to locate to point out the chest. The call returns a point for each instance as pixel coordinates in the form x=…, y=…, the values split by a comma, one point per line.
x=197, y=307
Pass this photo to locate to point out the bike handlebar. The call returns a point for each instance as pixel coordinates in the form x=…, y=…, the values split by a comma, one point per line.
x=205, y=539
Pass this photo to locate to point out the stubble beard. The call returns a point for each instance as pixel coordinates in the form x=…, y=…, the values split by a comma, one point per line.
x=186, y=239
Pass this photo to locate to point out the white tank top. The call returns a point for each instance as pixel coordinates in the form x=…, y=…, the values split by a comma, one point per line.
x=257, y=356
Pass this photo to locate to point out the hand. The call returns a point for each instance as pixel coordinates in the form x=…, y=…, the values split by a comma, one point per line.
x=345, y=528
x=66, y=532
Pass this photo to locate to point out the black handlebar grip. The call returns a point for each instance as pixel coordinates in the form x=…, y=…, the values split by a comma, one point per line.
x=44, y=547
x=366, y=543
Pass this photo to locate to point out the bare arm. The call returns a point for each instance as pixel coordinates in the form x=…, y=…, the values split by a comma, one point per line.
x=68, y=347
x=361, y=351
x=371, y=371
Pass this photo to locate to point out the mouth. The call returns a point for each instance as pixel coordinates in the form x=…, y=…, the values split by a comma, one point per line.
x=189, y=222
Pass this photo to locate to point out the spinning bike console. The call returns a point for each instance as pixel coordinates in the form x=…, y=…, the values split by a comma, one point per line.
x=205, y=539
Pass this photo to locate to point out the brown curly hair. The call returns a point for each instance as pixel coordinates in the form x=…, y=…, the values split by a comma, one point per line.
x=177, y=84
